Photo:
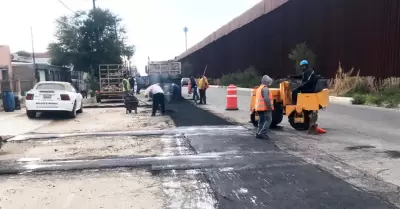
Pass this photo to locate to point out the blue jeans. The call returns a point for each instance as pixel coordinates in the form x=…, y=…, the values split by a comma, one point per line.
x=264, y=121
x=195, y=93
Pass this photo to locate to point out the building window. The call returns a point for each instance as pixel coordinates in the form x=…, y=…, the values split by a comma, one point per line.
x=4, y=74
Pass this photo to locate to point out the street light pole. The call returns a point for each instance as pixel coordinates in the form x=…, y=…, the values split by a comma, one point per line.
x=185, y=29
x=94, y=4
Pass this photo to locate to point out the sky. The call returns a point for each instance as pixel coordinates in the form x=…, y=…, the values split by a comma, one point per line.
x=155, y=27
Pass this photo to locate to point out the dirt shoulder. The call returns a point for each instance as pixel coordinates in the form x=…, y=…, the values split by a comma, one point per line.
x=82, y=147
x=118, y=189
x=108, y=119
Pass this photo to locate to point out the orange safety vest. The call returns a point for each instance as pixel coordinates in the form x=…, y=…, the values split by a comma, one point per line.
x=260, y=102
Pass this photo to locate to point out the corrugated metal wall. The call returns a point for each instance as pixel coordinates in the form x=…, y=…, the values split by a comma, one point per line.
x=360, y=33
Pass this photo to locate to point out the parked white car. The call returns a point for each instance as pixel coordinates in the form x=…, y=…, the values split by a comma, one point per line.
x=53, y=96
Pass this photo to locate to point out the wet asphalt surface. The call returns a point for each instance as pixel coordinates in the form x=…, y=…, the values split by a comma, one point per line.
x=242, y=171
x=262, y=176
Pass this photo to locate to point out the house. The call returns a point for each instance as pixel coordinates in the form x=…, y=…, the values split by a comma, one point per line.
x=40, y=57
x=26, y=74
x=5, y=63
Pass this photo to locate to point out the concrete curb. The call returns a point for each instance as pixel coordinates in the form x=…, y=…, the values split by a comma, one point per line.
x=334, y=99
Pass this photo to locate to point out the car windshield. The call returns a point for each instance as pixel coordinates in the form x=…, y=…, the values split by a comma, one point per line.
x=50, y=86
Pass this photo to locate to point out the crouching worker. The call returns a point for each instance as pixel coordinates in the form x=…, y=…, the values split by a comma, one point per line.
x=157, y=94
x=264, y=107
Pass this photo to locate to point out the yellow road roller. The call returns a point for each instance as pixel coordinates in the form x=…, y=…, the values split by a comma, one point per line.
x=301, y=115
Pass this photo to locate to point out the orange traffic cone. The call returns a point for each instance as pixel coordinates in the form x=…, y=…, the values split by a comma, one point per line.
x=320, y=130
x=231, y=98
x=315, y=129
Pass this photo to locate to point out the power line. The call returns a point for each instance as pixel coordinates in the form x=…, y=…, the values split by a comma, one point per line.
x=66, y=6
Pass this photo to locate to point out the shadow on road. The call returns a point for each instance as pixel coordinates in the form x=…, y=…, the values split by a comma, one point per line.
x=53, y=116
x=185, y=113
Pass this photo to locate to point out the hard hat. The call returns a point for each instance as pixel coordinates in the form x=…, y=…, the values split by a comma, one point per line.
x=304, y=62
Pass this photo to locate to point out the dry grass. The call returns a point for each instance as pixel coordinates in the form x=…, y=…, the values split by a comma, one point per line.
x=366, y=89
x=345, y=83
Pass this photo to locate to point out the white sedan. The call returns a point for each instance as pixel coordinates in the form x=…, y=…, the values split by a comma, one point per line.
x=53, y=96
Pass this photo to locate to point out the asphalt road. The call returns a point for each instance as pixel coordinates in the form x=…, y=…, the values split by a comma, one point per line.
x=361, y=145
x=216, y=163
x=240, y=171
x=269, y=177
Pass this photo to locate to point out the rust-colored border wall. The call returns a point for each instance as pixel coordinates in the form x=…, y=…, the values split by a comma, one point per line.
x=360, y=33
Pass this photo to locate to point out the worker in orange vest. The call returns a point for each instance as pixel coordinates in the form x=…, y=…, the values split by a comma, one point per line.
x=264, y=107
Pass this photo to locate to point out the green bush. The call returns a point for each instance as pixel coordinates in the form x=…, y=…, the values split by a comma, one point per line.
x=246, y=79
x=302, y=52
x=376, y=100
x=388, y=97
x=391, y=96
x=359, y=99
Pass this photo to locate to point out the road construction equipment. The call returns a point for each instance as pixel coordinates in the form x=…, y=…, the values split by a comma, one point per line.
x=304, y=114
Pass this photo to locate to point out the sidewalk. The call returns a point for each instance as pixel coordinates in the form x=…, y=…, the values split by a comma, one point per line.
x=8, y=115
x=14, y=123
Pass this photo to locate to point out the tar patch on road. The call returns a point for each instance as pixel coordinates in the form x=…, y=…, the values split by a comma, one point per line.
x=187, y=114
x=393, y=153
x=359, y=147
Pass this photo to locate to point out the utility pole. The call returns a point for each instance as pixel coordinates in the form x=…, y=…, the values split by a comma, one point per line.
x=116, y=31
x=97, y=36
x=33, y=57
x=185, y=29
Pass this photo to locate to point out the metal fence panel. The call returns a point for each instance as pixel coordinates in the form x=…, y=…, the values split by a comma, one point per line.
x=361, y=34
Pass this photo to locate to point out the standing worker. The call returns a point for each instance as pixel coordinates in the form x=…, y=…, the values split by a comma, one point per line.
x=176, y=92
x=308, y=81
x=132, y=83
x=157, y=94
x=264, y=107
x=193, y=84
x=139, y=84
x=203, y=86
x=126, y=86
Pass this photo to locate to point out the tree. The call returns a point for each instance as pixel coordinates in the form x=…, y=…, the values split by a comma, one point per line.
x=23, y=53
x=86, y=40
x=302, y=52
